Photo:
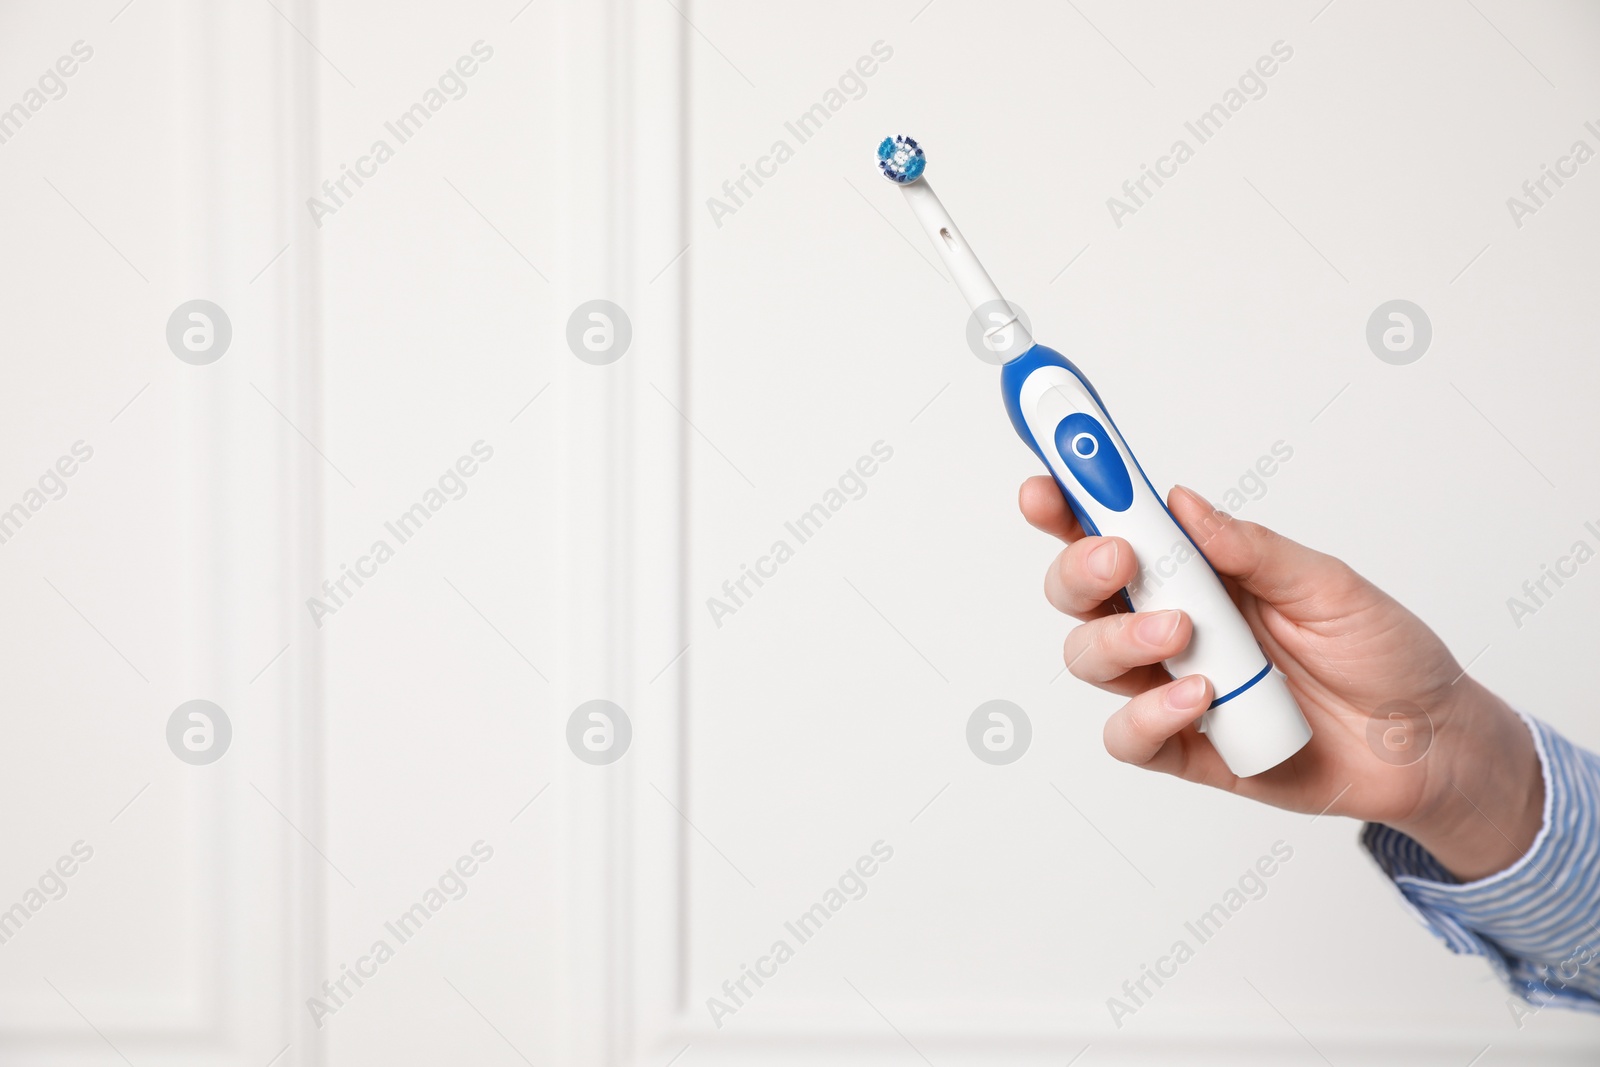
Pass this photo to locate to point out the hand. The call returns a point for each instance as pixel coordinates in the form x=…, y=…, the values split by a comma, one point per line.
x=1474, y=798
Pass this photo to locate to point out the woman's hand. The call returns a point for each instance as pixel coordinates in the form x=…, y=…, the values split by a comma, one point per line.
x=1471, y=792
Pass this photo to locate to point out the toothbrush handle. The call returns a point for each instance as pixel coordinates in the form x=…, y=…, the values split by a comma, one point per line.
x=1253, y=722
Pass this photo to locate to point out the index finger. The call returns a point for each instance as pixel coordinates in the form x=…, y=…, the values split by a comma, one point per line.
x=1046, y=509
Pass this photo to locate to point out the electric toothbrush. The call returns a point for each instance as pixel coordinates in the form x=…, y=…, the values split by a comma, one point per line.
x=1253, y=722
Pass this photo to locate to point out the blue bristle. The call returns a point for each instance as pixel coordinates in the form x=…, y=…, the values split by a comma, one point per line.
x=901, y=159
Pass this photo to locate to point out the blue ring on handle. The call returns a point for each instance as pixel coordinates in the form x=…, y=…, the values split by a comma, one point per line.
x=1224, y=699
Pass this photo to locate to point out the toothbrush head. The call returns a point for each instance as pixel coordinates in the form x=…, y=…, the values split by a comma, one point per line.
x=901, y=160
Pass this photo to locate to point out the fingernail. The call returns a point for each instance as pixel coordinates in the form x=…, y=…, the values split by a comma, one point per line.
x=1157, y=627
x=1102, y=561
x=1185, y=695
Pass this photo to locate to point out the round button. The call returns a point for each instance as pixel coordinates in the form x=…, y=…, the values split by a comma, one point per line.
x=1079, y=440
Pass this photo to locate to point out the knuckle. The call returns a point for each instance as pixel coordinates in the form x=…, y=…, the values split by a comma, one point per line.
x=1109, y=737
x=1107, y=638
x=1138, y=716
x=1093, y=649
x=1056, y=590
x=1262, y=541
x=1074, y=572
x=1115, y=738
x=1080, y=643
x=1213, y=523
x=1346, y=580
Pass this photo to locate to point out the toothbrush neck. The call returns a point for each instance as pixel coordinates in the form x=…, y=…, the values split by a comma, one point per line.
x=974, y=283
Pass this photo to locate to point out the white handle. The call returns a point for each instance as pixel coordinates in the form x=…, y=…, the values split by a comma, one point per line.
x=1254, y=722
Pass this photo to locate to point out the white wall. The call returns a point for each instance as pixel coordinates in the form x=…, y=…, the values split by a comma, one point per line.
x=769, y=353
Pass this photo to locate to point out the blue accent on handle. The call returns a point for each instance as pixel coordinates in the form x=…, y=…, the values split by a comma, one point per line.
x=1014, y=374
x=1012, y=377
x=1263, y=673
x=1088, y=452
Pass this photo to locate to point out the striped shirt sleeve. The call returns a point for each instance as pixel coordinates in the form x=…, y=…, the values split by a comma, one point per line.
x=1538, y=921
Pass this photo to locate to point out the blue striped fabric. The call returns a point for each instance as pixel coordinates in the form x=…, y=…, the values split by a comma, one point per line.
x=1537, y=921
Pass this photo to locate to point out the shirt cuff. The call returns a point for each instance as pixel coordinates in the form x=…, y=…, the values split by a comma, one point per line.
x=1538, y=921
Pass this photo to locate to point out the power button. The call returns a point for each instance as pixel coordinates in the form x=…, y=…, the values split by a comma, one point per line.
x=1086, y=449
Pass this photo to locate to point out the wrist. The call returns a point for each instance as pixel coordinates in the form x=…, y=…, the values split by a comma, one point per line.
x=1486, y=803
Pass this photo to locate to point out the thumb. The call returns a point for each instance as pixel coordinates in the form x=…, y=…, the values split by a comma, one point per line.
x=1281, y=572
